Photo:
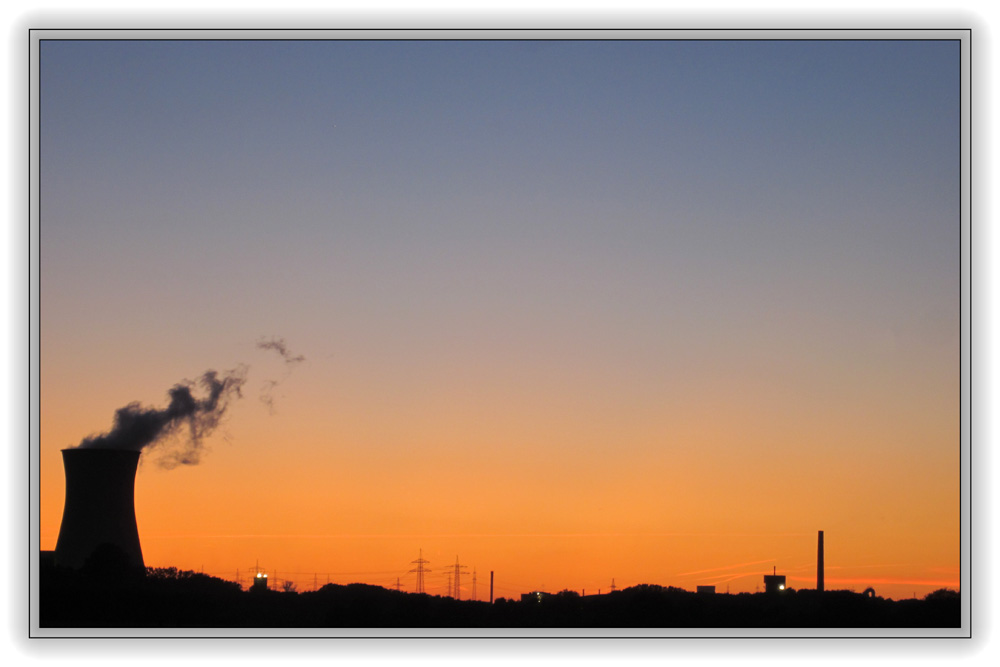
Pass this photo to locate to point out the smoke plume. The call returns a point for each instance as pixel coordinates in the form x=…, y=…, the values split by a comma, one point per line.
x=279, y=346
x=139, y=428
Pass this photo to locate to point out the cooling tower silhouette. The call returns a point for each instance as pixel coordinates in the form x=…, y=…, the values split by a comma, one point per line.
x=100, y=506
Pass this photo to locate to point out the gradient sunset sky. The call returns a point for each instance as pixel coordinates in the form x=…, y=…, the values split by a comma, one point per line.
x=571, y=311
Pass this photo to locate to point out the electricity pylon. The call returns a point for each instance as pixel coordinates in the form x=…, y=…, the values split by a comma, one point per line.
x=420, y=570
x=458, y=573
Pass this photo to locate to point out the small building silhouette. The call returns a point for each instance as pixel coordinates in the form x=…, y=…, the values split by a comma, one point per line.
x=259, y=582
x=709, y=590
x=534, y=596
x=774, y=583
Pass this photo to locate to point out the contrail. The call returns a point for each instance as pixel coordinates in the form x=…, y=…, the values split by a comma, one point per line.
x=138, y=428
x=727, y=567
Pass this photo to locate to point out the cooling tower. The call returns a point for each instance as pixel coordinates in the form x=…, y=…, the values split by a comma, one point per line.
x=100, y=506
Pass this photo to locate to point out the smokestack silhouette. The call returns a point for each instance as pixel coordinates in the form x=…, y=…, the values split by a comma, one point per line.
x=100, y=507
x=819, y=564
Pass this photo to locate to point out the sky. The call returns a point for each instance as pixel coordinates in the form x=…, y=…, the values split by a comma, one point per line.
x=571, y=312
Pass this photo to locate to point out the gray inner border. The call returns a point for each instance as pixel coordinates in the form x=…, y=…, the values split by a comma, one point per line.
x=962, y=34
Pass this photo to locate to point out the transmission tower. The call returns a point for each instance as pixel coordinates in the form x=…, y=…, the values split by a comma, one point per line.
x=255, y=569
x=613, y=587
x=458, y=573
x=420, y=570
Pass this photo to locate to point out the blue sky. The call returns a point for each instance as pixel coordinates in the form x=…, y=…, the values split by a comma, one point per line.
x=764, y=166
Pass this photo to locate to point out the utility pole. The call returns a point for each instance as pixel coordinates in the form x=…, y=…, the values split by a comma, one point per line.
x=491, y=586
x=420, y=570
x=474, y=583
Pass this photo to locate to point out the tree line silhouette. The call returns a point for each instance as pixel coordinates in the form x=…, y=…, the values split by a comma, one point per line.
x=102, y=595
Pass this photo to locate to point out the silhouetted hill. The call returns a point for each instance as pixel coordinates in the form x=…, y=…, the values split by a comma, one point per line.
x=170, y=598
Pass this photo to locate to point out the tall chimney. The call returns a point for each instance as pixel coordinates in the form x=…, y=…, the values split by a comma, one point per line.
x=819, y=564
x=100, y=506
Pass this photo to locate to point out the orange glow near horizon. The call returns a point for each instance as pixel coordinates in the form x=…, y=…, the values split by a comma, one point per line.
x=325, y=510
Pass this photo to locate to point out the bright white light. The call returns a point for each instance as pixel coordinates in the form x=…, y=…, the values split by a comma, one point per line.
x=781, y=587
x=258, y=575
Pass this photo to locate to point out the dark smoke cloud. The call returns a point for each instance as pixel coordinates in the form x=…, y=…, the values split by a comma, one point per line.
x=279, y=346
x=139, y=428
